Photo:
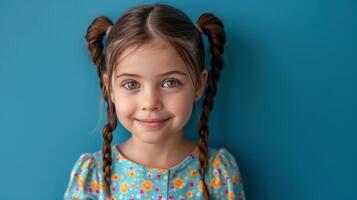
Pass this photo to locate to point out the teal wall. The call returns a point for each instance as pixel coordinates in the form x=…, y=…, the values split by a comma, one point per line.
x=285, y=106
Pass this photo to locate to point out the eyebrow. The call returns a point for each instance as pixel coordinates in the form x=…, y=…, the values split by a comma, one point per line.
x=163, y=74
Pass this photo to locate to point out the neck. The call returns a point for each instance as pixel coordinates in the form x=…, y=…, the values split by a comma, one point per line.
x=158, y=155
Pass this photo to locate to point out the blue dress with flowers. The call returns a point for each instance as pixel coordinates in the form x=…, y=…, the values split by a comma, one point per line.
x=133, y=181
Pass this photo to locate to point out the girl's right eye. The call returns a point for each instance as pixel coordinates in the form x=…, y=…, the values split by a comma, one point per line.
x=130, y=84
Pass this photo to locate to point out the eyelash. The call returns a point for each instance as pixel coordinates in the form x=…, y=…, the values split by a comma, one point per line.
x=168, y=80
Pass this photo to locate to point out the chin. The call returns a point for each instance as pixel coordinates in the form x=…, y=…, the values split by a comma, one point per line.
x=150, y=138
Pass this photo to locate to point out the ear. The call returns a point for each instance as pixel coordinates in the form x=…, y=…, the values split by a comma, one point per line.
x=201, y=85
x=106, y=85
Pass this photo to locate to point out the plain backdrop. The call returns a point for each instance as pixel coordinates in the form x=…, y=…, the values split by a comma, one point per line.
x=285, y=106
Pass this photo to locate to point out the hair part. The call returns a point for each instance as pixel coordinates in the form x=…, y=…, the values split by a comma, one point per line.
x=139, y=26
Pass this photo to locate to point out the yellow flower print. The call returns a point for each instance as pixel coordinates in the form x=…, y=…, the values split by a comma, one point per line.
x=124, y=187
x=115, y=177
x=147, y=185
x=193, y=173
x=80, y=182
x=216, y=182
x=179, y=183
x=200, y=185
x=235, y=179
x=189, y=193
x=225, y=173
x=230, y=195
x=86, y=163
x=75, y=197
x=132, y=173
x=120, y=157
x=217, y=162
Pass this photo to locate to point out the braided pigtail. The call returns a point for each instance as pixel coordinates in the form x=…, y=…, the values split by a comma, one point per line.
x=213, y=28
x=95, y=35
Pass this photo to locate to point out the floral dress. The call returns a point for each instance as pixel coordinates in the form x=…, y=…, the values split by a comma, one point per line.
x=133, y=181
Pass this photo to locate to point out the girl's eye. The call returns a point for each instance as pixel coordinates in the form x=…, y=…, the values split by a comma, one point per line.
x=173, y=83
x=130, y=84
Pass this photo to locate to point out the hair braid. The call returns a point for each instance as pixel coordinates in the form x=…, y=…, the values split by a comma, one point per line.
x=95, y=34
x=106, y=146
x=214, y=29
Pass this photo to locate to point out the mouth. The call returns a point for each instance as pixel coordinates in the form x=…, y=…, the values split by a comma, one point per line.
x=152, y=120
x=152, y=123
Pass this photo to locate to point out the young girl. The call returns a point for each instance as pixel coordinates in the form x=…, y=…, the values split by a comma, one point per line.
x=151, y=73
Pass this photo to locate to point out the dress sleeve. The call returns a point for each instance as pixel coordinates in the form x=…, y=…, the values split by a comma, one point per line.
x=225, y=177
x=84, y=181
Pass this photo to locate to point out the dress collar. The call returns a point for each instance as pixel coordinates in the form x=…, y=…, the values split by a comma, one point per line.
x=119, y=157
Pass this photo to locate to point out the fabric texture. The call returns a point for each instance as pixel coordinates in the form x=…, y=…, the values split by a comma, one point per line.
x=131, y=181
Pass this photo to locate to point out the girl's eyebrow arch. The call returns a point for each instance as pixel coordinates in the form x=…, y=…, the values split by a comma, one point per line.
x=163, y=74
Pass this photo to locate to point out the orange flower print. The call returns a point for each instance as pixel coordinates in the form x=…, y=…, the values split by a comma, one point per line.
x=216, y=182
x=217, y=162
x=179, y=183
x=150, y=168
x=132, y=173
x=200, y=185
x=230, y=195
x=124, y=187
x=112, y=198
x=193, y=173
x=101, y=186
x=189, y=193
x=115, y=177
x=235, y=179
x=94, y=185
x=147, y=185
x=161, y=171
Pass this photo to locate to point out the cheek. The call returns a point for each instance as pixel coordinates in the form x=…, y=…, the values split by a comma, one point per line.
x=180, y=106
x=124, y=108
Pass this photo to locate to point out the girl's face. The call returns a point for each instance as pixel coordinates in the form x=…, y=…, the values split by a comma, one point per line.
x=153, y=83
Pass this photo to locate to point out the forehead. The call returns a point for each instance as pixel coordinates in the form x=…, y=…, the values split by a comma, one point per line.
x=150, y=59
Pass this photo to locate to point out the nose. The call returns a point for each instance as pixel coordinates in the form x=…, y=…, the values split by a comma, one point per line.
x=151, y=100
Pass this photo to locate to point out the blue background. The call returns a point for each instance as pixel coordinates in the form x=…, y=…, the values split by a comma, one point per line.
x=285, y=106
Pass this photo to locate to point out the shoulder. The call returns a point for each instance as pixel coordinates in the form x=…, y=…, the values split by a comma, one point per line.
x=224, y=174
x=221, y=154
x=85, y=179
x=223, y=160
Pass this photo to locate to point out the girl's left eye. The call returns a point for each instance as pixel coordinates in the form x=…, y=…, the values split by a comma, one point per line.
x=176, y=82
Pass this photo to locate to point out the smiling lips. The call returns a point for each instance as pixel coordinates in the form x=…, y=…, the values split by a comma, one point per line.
x=152, y=122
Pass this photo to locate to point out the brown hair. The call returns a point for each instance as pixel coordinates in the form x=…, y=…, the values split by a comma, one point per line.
x=139, y=25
